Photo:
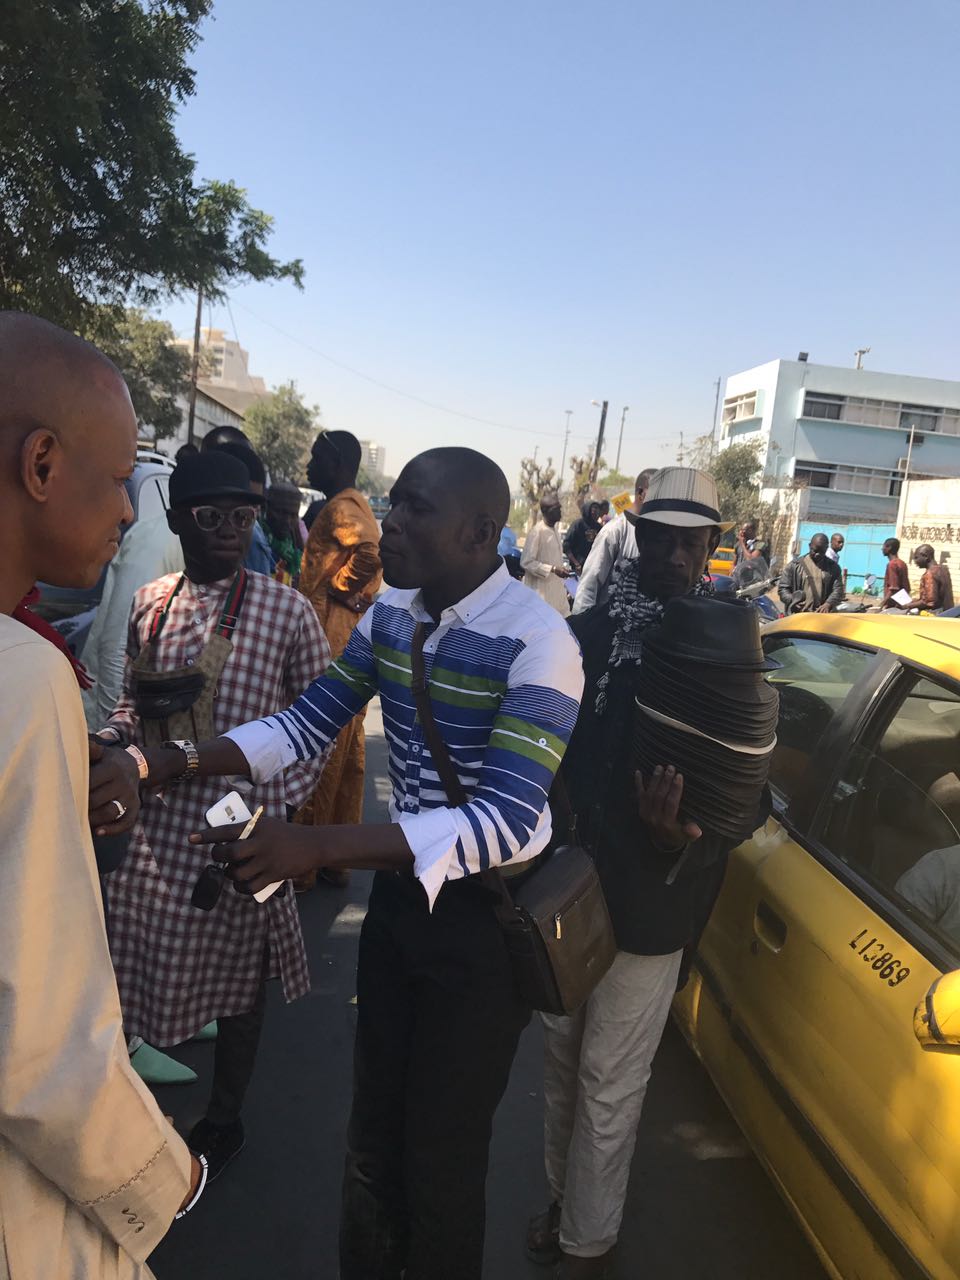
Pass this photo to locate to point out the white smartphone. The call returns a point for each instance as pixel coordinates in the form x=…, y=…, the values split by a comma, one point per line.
x=233, y=809
x=230, y=809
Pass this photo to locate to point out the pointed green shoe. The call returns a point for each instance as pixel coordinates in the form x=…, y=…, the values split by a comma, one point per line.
x=154, y=1067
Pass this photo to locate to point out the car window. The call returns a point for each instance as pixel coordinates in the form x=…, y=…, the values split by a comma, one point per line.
x=814, y=680
x=151, y=499
x=894, y=810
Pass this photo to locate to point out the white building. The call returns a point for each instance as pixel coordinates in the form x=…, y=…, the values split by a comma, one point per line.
x=373, y=458
x=844, y=435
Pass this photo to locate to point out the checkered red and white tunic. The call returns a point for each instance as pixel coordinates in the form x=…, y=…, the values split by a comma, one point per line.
x=178, y=967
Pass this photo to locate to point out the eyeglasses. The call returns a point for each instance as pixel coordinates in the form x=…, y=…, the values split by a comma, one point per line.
x=210, y=518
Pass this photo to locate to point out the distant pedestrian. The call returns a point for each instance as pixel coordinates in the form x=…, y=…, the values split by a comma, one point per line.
x=614, y=543
x=281, y=524
x=897, y=576
x=936, y=587
x=581, y=535
x=812, y=583
x=836, y=546
x=542, y=558
x=509, y=548
x=340, y=575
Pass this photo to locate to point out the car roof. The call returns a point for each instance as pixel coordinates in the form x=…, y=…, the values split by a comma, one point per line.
x=931, y=642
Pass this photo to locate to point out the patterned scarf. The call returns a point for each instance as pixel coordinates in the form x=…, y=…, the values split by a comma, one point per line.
x=633, y=613
x=288, y=555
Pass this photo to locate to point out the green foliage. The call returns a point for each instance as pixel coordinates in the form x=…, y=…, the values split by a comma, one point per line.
x=98, y=202
x=736, y=470
x=281, y=429
x=374, y=485
x=156, y=372
x=616, y=482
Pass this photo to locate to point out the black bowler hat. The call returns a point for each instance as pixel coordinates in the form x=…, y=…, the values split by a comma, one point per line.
x=715, y=632
x=214, y=474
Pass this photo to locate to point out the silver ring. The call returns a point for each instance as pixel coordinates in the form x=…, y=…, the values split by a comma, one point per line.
x=121, y=809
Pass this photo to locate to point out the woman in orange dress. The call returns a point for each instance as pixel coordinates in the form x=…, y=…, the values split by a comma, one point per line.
x=340, y=575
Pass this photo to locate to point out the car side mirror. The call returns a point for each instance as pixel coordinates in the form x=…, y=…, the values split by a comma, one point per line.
x=936, y=1021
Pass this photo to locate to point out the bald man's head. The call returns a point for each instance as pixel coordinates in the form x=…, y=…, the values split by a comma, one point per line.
x=68, y=440
x=448, y=507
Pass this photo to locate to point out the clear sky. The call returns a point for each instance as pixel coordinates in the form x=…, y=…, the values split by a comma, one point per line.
x=514, y=207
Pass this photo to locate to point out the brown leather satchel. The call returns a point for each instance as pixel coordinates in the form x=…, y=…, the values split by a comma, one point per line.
x=555, y=919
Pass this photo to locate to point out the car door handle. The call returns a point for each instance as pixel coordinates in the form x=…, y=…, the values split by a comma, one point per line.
x=770, y=928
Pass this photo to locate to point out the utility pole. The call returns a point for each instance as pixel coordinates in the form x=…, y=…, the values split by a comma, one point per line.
x=680, y=452
x=196, y=366
x=566, y=441
x=623, y=417
x=716, y=410
x=596, y=460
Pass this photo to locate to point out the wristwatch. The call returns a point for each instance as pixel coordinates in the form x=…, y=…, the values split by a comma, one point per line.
x=143, y=769
x=192, y=754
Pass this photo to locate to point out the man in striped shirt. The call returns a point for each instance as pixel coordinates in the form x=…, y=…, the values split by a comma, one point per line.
x=439, y=1019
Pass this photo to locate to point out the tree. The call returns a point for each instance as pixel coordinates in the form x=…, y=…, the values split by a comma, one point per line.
x=282, y=429
x=157, y=372
x=535, y=481
x=98, y=202
x=584, y=471
x=737, y=471
x=617, y=481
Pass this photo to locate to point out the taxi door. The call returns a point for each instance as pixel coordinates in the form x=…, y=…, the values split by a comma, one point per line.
x=866, y=1139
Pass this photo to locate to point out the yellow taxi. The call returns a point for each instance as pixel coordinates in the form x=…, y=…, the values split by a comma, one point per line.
x=824, y=1000
x=722, y=562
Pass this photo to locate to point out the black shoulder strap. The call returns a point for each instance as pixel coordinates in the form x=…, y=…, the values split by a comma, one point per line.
x=438, y=748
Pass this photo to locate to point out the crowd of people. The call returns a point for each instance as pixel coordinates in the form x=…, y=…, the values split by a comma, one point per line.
x=234, y=654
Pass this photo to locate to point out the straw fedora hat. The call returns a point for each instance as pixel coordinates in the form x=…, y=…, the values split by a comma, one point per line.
x=682, y=496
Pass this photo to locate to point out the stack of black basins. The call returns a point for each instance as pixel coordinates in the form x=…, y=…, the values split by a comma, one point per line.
x=705, y=707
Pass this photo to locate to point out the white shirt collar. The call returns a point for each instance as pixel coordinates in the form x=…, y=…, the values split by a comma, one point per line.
x=470, y=606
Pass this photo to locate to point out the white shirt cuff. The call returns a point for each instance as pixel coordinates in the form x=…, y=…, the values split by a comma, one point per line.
x=432, y=836
x=266, y=749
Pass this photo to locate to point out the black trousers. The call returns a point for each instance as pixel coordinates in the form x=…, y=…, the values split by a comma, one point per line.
x=238, y=1039
x=438, y=1028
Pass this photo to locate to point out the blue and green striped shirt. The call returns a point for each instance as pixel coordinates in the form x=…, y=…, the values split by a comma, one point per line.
x=505, y=681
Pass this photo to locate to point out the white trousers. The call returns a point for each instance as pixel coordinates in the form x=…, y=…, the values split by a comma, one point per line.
x=597, y=1064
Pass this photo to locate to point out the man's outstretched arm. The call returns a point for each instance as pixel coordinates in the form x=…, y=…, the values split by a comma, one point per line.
x=263, y=748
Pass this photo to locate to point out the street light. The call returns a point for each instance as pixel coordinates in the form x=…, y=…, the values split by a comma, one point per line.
x=620, y=441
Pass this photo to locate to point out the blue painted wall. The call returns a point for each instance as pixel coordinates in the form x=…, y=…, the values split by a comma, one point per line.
x=862, y=553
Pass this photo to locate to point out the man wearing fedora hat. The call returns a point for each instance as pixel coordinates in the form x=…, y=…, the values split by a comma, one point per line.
x=661, y=876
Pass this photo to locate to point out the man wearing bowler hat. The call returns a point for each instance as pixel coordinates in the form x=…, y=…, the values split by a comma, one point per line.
x=207, y=648
x=661, y=876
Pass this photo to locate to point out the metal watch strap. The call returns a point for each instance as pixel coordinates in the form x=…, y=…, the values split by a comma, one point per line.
x=193, y=757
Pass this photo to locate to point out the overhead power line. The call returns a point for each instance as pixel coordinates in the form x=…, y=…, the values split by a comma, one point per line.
x=397, y=391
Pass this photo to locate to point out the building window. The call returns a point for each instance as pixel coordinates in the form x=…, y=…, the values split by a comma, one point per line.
x=919, y=417
x=736, y=408
x=880, y=413
x=818, y=405
x=879, y=482
x=871, y=413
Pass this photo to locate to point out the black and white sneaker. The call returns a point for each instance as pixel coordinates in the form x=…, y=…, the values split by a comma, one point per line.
x=219, y=1143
